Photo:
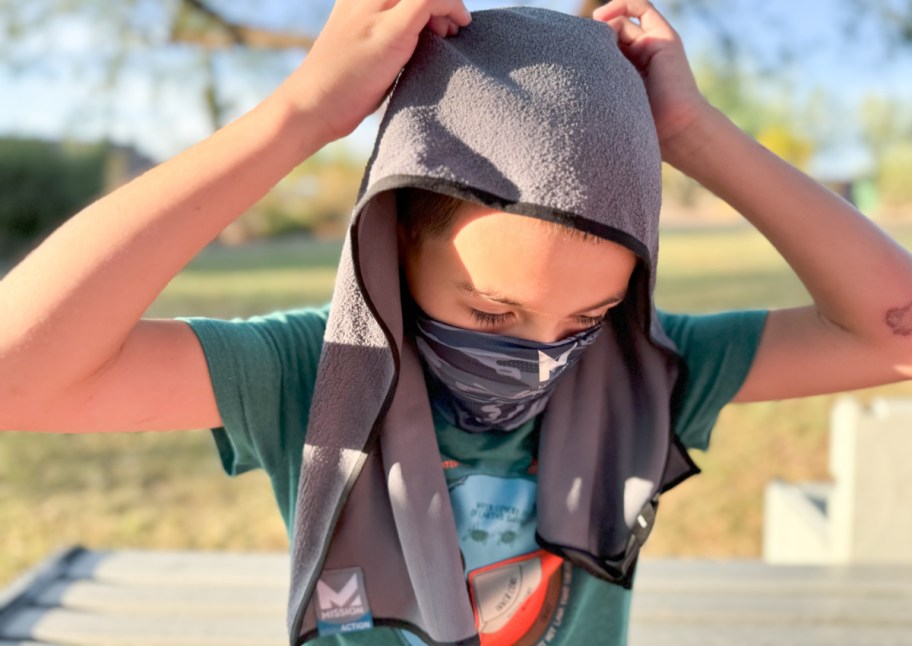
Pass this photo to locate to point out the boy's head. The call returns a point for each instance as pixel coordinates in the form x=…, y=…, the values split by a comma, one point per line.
x=474, y=267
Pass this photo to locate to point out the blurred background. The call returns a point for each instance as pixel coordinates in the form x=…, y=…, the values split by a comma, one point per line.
x=93, y=93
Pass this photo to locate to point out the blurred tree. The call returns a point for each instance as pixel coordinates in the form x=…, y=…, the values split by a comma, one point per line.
x=215, y=51
x=767, y=115
x=787, y=143
x=317, y=198
x=42, y=183
x=894, y=177
x=208, y=29
x=884, y=122
x=887, y=130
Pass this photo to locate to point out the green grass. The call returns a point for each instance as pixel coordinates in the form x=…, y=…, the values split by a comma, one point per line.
x=167, y=490
x=259, y=277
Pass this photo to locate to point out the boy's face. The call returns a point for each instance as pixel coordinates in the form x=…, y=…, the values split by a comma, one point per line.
x=514, y=275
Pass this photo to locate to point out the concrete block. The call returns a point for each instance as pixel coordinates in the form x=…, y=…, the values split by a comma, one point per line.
x=795, y=528
x=865, y=516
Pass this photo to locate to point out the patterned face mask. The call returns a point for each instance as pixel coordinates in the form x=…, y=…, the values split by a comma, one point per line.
x=493, y=382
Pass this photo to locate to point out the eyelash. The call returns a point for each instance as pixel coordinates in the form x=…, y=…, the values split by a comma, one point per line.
x=488, y=319
x=591, y=321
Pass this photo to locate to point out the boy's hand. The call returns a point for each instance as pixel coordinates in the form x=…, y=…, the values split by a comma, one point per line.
x=657, y=52
x=359, y=53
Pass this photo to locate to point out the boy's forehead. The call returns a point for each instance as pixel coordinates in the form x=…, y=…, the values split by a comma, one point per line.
x=514, y=259
x=469, y=212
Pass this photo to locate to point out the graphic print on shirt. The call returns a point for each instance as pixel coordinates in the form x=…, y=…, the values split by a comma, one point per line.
x=517, y=589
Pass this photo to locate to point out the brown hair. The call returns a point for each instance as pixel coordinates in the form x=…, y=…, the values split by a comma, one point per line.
x=425, y=214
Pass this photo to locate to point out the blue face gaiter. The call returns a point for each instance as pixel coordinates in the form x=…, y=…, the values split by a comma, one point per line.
x=492, y=382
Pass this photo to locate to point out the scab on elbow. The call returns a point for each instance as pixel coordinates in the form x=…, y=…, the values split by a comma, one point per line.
x=899, y=320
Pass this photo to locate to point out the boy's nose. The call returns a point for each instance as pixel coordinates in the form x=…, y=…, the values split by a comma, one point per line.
x=547, y=333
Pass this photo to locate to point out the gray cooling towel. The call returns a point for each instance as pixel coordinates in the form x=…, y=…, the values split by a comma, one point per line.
x=533, y=112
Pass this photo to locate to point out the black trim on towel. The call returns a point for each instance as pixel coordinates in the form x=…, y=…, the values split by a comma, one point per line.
x=694, y=469
x=470, y=194
x=567, y=218
x=676, y=404
x=643, y=308
x=621, y=575
x=634, y=317
x=371, y=438
x=383, y=622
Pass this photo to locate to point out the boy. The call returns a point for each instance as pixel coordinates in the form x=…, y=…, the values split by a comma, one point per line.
x=491, y=401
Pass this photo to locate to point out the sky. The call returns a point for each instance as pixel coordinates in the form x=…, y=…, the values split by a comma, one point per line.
x=49, y=83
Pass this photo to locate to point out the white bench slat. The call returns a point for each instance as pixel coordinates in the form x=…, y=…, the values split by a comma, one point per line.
x=88, y=629
x=145, y=598
x=756, y=577
x=784, y=609
x=725, y=634
x=166, y=601
x=182, y=568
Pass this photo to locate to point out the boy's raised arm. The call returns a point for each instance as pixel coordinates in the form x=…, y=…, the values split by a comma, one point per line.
x=69, y=306
x=858, y=332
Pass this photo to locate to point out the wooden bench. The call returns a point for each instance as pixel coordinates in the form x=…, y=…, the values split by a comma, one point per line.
x=80, y=597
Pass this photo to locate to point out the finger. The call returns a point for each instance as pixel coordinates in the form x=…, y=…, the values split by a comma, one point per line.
x=461, y=15
x=641, y=10
x=652, y=19
x=368, y=5
x=646, y=15
x=417, y=13
x=440, y=25
x=616, y=8
x=443, y=26
x=627, y=32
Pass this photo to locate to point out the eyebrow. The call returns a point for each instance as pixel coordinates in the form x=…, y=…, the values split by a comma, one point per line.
x=499, y=298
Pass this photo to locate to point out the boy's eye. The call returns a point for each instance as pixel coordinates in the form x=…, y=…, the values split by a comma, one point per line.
x=491, y=320
x=486, y=318
x=590, y=321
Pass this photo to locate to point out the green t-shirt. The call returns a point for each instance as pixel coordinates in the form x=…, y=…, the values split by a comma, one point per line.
x=263, y=371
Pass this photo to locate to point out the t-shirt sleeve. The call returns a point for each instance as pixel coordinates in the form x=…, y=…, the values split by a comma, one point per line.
x=719, y=350
x=263, y=370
